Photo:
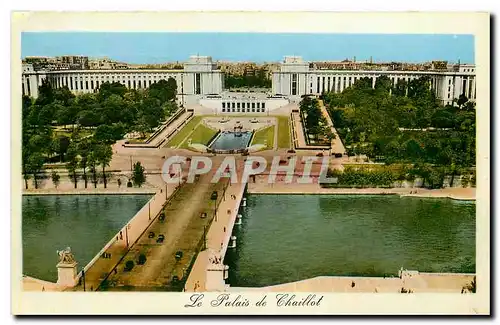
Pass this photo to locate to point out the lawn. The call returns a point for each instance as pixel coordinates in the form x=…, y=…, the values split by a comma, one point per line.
x=283, y=132
x=184, y=132
x=202, y=134
x=263, y=135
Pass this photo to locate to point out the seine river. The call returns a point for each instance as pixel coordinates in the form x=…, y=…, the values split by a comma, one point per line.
x=83, y=222
x=286, y=238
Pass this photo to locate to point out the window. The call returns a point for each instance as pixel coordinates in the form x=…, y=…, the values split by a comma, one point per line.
x=258, y=105
x=253, y=110
x=150, y=82
x=134, y=84
x=223, y=106
x=223, y=110
x=464, y=86
x=197, y=84
x=129, y=83
x=317, y=86
x=233, y=108
x=86, y=84
x=294, y=84
x=232, y=105
x=97, y=84
x=238, y=106
x=28, y=86
x=328, y=89
x=449, y=82
x=70, y=82
x=323, y=86
x=81, y=84
x=238, y=110
x=92, y=84
x=139, y=84
x=263, y=105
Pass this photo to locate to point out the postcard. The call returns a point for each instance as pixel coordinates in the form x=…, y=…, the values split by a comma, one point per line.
x=250, y=163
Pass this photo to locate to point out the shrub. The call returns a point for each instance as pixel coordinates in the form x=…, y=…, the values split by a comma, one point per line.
x=129, y=265
x=141, y=260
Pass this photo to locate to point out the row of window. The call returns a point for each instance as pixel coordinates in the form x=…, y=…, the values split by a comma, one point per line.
x=242, y=105
x=243, y=110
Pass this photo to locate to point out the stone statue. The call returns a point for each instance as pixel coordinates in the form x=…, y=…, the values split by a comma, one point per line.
x=66, y=256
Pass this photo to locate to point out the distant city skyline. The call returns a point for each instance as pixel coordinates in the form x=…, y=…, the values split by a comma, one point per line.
x=159, y=47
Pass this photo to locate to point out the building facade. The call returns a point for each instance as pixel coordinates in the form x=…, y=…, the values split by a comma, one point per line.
x=296, y=77
x=199, y=77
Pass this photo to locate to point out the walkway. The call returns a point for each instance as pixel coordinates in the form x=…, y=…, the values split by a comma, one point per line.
x=423, y=282
x=336, y=145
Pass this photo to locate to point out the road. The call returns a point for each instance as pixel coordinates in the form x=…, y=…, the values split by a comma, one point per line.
x=183, y=229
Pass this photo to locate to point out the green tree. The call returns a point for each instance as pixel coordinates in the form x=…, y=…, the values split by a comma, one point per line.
x=93, y=162
x=55, y=178
x=138, y=176
x=83, y=151
x=462, y=100
x=104, y=153
x=35, y=163
x=72, y=163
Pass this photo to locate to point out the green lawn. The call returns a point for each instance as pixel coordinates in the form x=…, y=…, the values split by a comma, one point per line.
x=202, y=134
x=184, y=132
x=264, y=134
x=283, y=132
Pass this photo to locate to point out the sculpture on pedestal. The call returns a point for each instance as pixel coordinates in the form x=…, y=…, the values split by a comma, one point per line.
x=66, y=256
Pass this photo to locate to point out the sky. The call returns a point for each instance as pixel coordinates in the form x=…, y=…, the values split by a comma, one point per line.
x=161, y=47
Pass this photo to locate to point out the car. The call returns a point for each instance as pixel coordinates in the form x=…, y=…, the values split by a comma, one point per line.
x=151, y=234
x=178, y=255
x=214, y=195
x=160, y=239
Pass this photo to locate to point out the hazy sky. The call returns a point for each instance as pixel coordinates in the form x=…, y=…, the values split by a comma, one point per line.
x=258, y=47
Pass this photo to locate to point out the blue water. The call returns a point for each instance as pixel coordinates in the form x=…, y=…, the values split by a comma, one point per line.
x=83, y=222
x=285, y=238
x=231, y=140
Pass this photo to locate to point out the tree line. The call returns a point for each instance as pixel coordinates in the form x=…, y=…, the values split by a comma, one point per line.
x=257, y=80
x=404, y=124
x=79, y=130
x=314, y=120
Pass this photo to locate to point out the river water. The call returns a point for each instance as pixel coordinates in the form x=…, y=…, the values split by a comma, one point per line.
x=285, y=238
x=83, y=222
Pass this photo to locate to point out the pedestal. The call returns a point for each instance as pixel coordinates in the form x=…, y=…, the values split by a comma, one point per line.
x=66, y=274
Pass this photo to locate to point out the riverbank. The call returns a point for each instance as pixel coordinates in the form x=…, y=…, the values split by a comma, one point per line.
x=262, y=187
x=414, y=283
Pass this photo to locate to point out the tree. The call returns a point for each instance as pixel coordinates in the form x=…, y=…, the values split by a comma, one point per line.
x=103, y=154
x=35, y=163
x=60, y=145
x=83, y=151
x=383, y=83
x=92, y=162
x=138, y=176
x=72, y=163
x=462, y=100
x=55, y=178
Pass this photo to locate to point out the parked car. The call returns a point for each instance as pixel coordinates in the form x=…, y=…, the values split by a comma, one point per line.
x=151, y=234
x=160, y=239
x=214, y=195
x=178, y=255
